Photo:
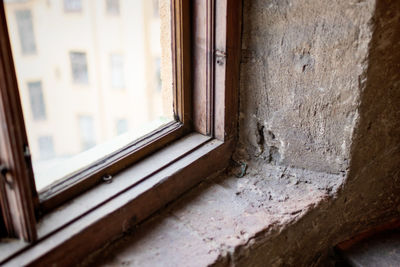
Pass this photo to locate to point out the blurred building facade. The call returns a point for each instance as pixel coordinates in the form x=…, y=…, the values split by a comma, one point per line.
x=88, y=71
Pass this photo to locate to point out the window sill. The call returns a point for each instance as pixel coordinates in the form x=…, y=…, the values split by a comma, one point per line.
x=230, y=221
x=106, y=211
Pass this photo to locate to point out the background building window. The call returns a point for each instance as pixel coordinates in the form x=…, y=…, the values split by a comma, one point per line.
x=117, y=71
x=157, y=63
x=121, y=126
x=46, y=147
x=72, y=5
x=25, y=31
x=112, y=7
x=79, y=67
x=86, y=127
x=37, y=101
x=156, y=11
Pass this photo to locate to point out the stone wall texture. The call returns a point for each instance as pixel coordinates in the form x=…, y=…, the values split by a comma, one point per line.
x=320, y=89
x=303, y=69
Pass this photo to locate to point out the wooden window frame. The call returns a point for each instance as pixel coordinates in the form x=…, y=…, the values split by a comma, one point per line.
x=206, y=63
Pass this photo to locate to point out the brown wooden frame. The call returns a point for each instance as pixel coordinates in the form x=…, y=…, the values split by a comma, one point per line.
x=213, y=63
x=17, y=188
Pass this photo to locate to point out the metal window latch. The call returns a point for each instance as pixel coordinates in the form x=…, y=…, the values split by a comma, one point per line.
x=5, y=175
x=107, y=179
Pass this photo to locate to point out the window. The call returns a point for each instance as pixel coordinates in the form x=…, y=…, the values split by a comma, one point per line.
x=72, y=5
x=90, y=53
x=79, y=67
x=112, y=7
x=86, y=127
x=25, y=30
x=121, y=126
x=46, y=147
x=157, y=64
x=36, y=100
x=156, y=11
x=149, y=168
x=117, y=71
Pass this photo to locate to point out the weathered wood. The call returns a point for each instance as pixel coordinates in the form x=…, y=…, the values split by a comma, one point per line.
x=132, y=176
x=216, y=58
x=203, y=30
x=100, y=194
x=66, y=189
x=125, y=210
x=18, y=195
x=227, y=57
x=181, y=59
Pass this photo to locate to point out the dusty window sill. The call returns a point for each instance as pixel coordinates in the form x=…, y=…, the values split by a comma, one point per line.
x=110, y=209
x=223, y=218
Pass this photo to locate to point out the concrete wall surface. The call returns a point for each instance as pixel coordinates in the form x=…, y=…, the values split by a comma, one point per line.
x=326, y=79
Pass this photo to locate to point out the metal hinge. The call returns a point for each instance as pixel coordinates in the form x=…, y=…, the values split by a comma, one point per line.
x=220, y=56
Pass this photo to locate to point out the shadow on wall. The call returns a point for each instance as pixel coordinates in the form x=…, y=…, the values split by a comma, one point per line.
x=371, y=192
x=375, y=153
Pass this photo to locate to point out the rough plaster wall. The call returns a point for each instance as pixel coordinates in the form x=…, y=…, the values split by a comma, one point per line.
x=355, y=57
x=302, y=66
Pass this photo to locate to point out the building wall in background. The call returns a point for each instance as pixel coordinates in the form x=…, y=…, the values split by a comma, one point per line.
x=99, y=65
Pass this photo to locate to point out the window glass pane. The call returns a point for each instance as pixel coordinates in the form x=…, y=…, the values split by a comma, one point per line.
x=112, y=7
x=72, y=5
x=157, y=77
x=122, y=126
x=117, y=71
x=156, y=10
x=46, y=147
x=92, y=83
x=87, y=133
